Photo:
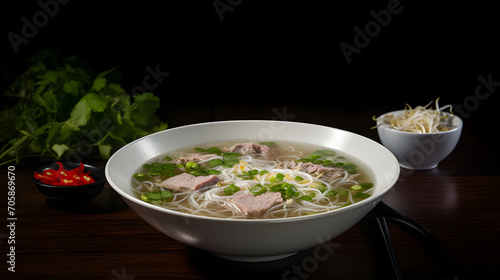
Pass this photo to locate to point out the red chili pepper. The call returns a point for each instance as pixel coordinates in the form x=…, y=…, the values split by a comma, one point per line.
x=87, y=179
x=41, y=176
x=68, y=182
x=64, y=177
x=51, y=173
x=79, y=169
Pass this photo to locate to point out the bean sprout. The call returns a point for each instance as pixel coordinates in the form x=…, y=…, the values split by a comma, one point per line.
x=420, y=119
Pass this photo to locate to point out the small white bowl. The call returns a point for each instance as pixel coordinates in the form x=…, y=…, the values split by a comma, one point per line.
x=252, y=239
x=419, y=151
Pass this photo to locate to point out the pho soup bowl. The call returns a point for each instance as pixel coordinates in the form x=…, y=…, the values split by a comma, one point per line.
x=252, y=240
x=419, y=151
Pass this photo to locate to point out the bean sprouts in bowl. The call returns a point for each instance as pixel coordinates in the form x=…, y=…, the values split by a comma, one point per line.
x=254, y=236
x=418, y=150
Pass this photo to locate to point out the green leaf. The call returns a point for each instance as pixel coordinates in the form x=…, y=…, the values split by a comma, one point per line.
x=99, y=83
x=60, y=149
x=89, y=103
x=49, y=100
x=51, y=76
x=270, y=144
x=324, y=153
x=71, y=87
x=144, y=108
x=115, y=90
x=158, y=195
x=110, y=143
x=81, y=113
x=105, y=150
x=96, y=102
x=8, y=130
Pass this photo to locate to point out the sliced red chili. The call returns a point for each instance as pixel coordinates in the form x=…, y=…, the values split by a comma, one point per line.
x=79, y=169
x=64, y=177
x=41, y=176
x=51, y=173
x=67, y=182
x=87, y=179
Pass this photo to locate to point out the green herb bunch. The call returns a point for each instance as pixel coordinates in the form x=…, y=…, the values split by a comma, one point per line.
x=66, y=109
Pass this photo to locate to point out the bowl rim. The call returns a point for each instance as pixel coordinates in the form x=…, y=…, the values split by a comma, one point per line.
x=374, y=200
x=385, y=126
x=102, y=180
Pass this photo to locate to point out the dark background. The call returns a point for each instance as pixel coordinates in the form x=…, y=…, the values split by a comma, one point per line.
x=275, y=53
x=272, y=55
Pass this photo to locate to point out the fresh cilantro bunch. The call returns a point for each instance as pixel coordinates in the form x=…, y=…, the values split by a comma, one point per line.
x=66, y=109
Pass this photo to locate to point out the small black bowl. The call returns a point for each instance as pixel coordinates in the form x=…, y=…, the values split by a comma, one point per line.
x=71, y=197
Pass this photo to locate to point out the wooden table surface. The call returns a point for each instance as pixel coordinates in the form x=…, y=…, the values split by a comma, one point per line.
x=457, y=202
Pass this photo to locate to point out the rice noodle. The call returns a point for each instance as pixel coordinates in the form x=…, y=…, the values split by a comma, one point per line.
x=213, y=202
x=420, y=119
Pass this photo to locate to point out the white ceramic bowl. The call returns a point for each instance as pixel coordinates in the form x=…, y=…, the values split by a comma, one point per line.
x=252, y=239
x=419, y=151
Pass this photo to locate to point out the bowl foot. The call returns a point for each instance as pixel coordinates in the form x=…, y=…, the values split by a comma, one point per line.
x=424, y=167
x=255, y=258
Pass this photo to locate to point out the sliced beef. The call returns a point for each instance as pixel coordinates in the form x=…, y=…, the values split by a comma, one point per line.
x=195, y=157
x=189, y=182
x=256, y=205
x=253, y=148
x=315, y=169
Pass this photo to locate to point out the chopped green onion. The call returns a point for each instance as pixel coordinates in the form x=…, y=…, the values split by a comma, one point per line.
x=356, y=187
x=298, y=178
x=191, y=165
x=362, y=195
x=321, y=188
x=280, y=176
x=231, y=189
x=258, y=189
x=249, y=175
x=167, y=158
x=262, y=172
x=139, y=176
x=367, y=185
x=306, y=198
